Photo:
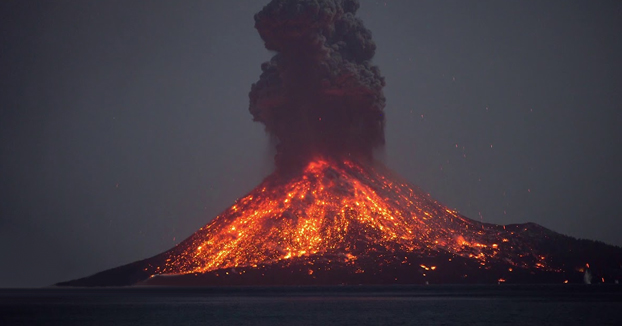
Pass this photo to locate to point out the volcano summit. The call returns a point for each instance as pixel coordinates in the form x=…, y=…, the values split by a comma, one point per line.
x=330, y=214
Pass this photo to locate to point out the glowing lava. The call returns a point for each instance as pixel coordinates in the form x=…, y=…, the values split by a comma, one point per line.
x=342, y=222
x=339, y=209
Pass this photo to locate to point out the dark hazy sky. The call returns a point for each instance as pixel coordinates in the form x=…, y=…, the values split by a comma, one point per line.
x=124, y=125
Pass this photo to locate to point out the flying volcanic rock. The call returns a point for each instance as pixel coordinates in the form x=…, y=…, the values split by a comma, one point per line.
x=330, y=214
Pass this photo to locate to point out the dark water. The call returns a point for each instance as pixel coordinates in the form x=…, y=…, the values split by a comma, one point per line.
x=393, y=305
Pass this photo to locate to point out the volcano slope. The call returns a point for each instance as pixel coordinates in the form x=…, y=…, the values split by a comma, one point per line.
x=341, y=222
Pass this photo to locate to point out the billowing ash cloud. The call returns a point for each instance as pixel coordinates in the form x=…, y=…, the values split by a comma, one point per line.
x=319, y=93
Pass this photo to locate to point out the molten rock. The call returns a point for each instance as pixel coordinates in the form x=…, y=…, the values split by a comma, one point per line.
x=339, y=222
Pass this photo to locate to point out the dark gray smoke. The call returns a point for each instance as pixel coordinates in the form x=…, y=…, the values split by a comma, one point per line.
x=319, y=94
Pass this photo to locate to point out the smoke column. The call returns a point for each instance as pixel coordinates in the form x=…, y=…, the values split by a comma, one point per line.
x=319, y=94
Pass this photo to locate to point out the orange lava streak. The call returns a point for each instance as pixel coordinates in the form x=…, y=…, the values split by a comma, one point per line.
x=343, y=209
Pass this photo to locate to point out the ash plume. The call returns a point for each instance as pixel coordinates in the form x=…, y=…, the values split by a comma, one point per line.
x=319, y=94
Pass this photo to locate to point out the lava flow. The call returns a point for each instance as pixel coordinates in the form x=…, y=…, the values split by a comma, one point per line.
x=339, y=209
x=343, y=222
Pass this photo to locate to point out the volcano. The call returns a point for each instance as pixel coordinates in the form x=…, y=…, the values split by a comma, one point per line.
x=342, y=222
x=330, y=214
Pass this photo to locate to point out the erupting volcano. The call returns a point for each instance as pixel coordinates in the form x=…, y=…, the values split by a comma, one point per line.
x=330, y=213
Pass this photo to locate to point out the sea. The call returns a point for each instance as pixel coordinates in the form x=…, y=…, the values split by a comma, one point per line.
x=503, y=304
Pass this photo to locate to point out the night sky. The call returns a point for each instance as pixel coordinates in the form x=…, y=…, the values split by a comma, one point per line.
x=124, y=125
